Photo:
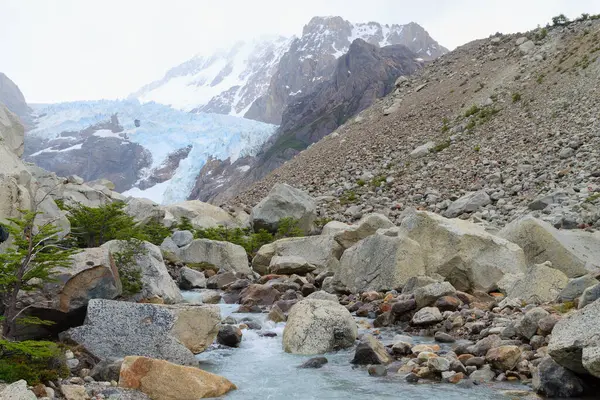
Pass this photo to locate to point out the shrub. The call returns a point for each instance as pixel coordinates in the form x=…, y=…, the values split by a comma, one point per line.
x=516, y=97
x=360, y=182
x=560, y=20
x=92, y=227
x=321, y=222
x=541, y=34
x=34, y=361
x=348, y=197
x=378, y=181
x=185, y=224
x=288, y=227
x=154, y=232
x=477, y=148
x=472, y=111
x=129, y=273
x=441, y=146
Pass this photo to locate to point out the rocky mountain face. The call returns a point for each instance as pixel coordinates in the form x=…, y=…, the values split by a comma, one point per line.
x=366, y=73
x=496, y=129
x=257, y=79
x=12, y=97
x=312, y=58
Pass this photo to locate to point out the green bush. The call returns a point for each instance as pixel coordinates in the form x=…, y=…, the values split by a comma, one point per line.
x=516, y=97
x=560, y=20
x=472, y=111
x=185, y=224
x=129, y=272
x=154, y=232
x=36, y=362
x=378, y=181
x=541, y=34
x=441, y=146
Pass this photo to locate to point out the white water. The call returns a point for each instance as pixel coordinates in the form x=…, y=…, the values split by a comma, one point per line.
x=262, y=370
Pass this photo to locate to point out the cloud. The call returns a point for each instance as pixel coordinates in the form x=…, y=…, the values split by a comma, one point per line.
x=63, y=50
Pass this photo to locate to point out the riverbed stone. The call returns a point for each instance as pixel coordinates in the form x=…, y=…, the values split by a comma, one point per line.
x=553, y=380
x=370, y=351
x=314, y=362
x=229, y=335
x=318, y=326
x=503, y=358
x=214, y=254
x=191, y=279
x=528, y=326
x=427, y=316
x=367, y=226
x=539, y=284
x=290, y=265
x=163, y=380
x=427, y=295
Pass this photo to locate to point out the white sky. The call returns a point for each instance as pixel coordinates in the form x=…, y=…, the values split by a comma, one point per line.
x=64, y=50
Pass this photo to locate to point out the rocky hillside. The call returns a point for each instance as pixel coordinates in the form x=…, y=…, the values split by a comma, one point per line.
x=257, y=79
x=364, y=74
x=12, y=97
x=511, y=122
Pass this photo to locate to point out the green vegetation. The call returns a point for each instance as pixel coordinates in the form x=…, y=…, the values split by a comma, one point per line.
x=348, y=197
x=516, y=97
x=477, y=148
x=378, y=181
x=36, y=362
x=361, y=182
x=129, y=272
x=541, y=34
x=321, y=222
x=592, y=198
x=94, y=226
x=560, y=20
x=445, y=127
x=32, y=259
x=540, y=78
x=472, y=111
x=440, y=146
x=565, y=307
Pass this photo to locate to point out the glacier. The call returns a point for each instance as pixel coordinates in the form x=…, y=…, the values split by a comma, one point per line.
x=162, y=131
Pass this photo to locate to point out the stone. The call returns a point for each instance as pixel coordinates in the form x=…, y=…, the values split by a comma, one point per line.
x=417, y=282
x=527, y=47
x=74, y=392
x=546, y=324
x=448, y=303
x=143, y=210
x=315, y=362
x=219, y=281
x=576, y=287
x=402, y=307
x=370, y=351
x=589, y=295
x=333, y=227
x=259, y=295
x=423, y=150
x=182, y=238
x=322, y=251
x=438, y=364
x=191, y=279
x=552, y=380
x=463, y=253
x=106, y=370
x=485, y=374
x=163, y=380
x=427, y=295
x=229, y=335
x=527, y=327
x=322, y=295
x=276, y=314
x=201, y=215
x=116, y=329
x=366, y=227
x=380, y=263
x=427, y=316
x=573, y=334
x=318, y=326
x=284, y=201
x=443, y=337
x=539, y=284
x=591, y=359
x=17, y=390
x=401, y=348
x=156, y=281
x=216, y=255
x=377, y=370
x=482, y=346
x=503, y=358
x=575, y=253
x=288, y=265
x=468, y=203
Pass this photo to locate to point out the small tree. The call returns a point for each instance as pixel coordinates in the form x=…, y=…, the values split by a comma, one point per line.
x=30, y=261
x=560, y=20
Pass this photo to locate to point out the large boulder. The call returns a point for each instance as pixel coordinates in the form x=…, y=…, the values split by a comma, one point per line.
x=116, y=329
x=428, y=294
x=17, y=391
x=470, y=202
x=553, y=380
x=216, y=255
x=144, y=210
x=318, y=326
x=284, y=201
x=73, y=194
x=576, y=287
x=464, y=253
x=574, y=336
x=290, y=265
x=367, y=226
x=321, y=251
x=371, y=351
x=201, y=215
x=163, y=380
x=380, y=263
x=539, y=284
x=573, y=252
x=155, y=278
x=191, y=279
x=12, y=132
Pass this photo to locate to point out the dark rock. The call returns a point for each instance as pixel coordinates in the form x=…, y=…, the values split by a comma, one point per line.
x=221, y=280
x=400, y=308
x=307, y=289
x=370, y=351
x=107, y=370
x=255, y=294
x=412, y=378
x=229, y=335
x=443, y=337
x=448, y=303
x=384, y=319
x=315, y=362
x=377, y=370
x=553, y=380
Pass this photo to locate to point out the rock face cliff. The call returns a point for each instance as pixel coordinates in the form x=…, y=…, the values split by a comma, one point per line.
x=361, y=76
x=12, y=97
x=311, y=59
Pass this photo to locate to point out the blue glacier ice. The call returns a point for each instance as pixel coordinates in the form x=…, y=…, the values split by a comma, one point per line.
x=162, y=131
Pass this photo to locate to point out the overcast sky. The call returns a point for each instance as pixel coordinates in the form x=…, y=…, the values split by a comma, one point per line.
x=64, y=50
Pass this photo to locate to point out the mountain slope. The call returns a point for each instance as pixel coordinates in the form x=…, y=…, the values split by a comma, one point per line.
x=517, y=117
x=256, y=79
x=12, y=97
x=361, y=76
x=148, y=149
